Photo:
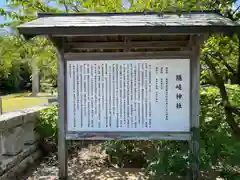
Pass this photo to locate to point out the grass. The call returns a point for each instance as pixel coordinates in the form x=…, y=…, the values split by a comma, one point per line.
x=14, y=102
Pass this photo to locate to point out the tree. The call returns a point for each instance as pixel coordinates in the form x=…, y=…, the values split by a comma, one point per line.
x=13, y=65
x=218, y=62
x=220, y=55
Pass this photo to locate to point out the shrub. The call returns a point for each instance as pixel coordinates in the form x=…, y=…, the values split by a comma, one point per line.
x=218, y=148
x=48, y=123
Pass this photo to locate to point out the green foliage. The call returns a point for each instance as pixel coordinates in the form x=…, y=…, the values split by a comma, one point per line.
x=14, y=69
x=16, y=59
x=223, y=52
x=218, y=148
x=216, y=138
x=127, y=154
x=47, y=125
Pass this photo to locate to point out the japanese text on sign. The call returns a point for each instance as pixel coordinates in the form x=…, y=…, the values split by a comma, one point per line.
x=128, y=95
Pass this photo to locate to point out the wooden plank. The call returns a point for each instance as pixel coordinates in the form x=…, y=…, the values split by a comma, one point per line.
x=62, y=145
x=138, y=37
x=125, y=30
x=127, y=55
x=122, y=45
x=182, y=136
x=195, y=107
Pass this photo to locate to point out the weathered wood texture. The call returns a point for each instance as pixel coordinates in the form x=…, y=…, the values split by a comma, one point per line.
x=126, y=43
x=195, y=106
x=124, y=37
x=132, y=45
x=62, y=145
x=128, y=23
x=71, y=26
x=132, y=19
x=128, y=136
x=127, y=55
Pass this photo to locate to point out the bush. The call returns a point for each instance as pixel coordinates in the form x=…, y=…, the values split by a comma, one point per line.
x=47, y=125
x=218, y=148
x=16, y=63
x=14, y=67
x=14, y=78
x=48, y=86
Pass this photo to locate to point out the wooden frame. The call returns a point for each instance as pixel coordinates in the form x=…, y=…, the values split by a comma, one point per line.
x=78, y=31
x=194, y=143
x=192, y=136
x=59, y=32
x=127, y=55
x=181, y=136
x=62, y=144
x=138, y=44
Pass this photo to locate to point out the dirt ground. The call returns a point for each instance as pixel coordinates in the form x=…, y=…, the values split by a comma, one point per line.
x=88, y=163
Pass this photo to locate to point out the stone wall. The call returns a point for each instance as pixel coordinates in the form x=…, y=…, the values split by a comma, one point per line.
x=18, y=141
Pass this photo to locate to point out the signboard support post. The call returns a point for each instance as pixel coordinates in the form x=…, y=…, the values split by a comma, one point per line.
x=62, y=144
x=195, y=108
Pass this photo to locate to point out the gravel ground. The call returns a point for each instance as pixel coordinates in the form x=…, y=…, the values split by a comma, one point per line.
x=87, y=163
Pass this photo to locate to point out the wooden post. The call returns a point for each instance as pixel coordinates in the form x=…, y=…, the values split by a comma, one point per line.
x=195, y=107
x=62, y=145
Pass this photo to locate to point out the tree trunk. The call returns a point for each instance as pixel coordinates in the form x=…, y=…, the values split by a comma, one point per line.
x=225, y=101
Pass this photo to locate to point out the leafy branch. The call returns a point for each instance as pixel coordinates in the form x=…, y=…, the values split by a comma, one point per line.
x=225, y=100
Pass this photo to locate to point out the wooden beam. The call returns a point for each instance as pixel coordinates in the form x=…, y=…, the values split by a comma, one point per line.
x=129, y=45
x=181, y=136
x=125, y=30
x=194, y=144
x=127, y=55
x=62, y=145
x=136, y=37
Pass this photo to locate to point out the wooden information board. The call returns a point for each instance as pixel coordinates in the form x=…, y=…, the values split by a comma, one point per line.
x=128, y=95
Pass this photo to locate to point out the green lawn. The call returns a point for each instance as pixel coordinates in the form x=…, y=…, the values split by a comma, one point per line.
x=14, y=102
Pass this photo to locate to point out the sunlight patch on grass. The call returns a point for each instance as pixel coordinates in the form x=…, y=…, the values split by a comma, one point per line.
x=14, y=103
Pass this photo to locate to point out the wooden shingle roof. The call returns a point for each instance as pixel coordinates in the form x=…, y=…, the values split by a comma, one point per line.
x=128, y=23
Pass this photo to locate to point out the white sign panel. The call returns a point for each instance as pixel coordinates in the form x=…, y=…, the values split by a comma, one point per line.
x=128, y=95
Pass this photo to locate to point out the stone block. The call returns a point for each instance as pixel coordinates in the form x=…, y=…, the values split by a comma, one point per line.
x=30, y=135
x=12, y=141
x=10, y=120
x=31, y=116
x=35, y=109
x=19, y=167
x=7, y=162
